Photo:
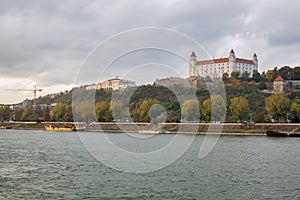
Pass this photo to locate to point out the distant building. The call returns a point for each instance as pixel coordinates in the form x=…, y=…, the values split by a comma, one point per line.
x=191, y=82
x=199, y=82
x=53, y=105
x=91, y=87
x=116, y=84
x=293, y=84
x=171, y=81
x=43, y=107
x=215, y=68
x=279, y=85
x=14, y=107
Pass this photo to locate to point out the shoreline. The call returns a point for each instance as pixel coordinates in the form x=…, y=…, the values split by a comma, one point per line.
x=233, y=129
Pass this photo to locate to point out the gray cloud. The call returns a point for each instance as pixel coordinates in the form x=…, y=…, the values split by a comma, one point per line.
x=46, y=41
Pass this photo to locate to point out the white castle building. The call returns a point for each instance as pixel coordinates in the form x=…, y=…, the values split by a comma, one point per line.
x=215, y=68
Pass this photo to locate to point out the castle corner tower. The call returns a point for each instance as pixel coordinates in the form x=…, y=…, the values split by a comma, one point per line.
x=192, y=64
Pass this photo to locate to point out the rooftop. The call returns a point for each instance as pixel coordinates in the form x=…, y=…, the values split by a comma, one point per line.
x=279, y=78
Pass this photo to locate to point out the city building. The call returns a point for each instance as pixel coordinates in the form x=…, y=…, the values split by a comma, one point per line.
x=116, y=84
x=215, y=68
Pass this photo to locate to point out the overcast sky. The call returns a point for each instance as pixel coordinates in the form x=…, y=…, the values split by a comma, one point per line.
x=46, y=42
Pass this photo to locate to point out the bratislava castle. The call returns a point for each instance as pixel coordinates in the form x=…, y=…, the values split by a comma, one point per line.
x=215, y=68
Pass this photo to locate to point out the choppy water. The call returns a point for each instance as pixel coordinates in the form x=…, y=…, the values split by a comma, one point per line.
x=40, y=165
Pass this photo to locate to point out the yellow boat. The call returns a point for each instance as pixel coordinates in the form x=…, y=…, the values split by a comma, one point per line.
x=5, y=127
x=62, y=129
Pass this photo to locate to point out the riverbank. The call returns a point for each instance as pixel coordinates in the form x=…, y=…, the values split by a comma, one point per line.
x=188, y=128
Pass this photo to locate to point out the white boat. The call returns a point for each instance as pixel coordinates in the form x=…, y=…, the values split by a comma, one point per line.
x=153, y=131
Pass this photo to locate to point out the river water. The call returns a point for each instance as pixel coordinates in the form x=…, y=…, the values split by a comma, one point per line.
x=44, y=165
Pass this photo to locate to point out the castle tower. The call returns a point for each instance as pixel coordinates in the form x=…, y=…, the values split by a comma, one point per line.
x=192, y=64
x=255, y=60
x=232, y=56
x=232, y=61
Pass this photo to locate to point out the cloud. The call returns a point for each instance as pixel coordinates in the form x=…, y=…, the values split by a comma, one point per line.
x=45, y=42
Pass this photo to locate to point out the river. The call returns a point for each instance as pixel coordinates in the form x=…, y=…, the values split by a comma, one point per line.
x=48, y=165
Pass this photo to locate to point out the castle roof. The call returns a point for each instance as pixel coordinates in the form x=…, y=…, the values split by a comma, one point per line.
x=231, y=51
x=193, y=54
x=212, y=61
x=242, y=60
x=224, y=60
x=279, y=78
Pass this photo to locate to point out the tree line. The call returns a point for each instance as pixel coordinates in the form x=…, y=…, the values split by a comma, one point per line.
x=243, y=102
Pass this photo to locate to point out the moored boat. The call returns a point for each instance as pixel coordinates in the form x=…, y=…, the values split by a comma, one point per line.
x=153, y=131
x=5, y=127
x=276, y=134
x=281, y=134
x=149, y=131
x=80, y=128
x=294, y=135
x=60, y=129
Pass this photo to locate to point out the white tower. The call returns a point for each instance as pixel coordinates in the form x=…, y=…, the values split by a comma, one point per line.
x=255, y=60
x=192, y=64
x=232, y=61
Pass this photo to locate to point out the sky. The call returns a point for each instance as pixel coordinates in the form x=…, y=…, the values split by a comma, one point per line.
x=57, y=45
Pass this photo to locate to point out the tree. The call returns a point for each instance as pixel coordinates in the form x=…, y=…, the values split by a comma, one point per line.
x=103, y=112
x=239, y=108
x=235, y=83
x=214, y=108
x=58, y=112
x=218, y=107
x=256, y=76
x=68, y=116
x=235, y=74
x=190, y=110
x=245, y=75
x=259, y=115
x=295, y=109
x=17, y=114
x=272, y=74
x=277, y=106
x=144, y=109
x=262, y=85
x=29, y=114
x=157, y=114
x=118, y=109
x=84, y=111
x=225, y=77
x=206, y=109
x=4, y=113
x=46, y=114
x=255, y=100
